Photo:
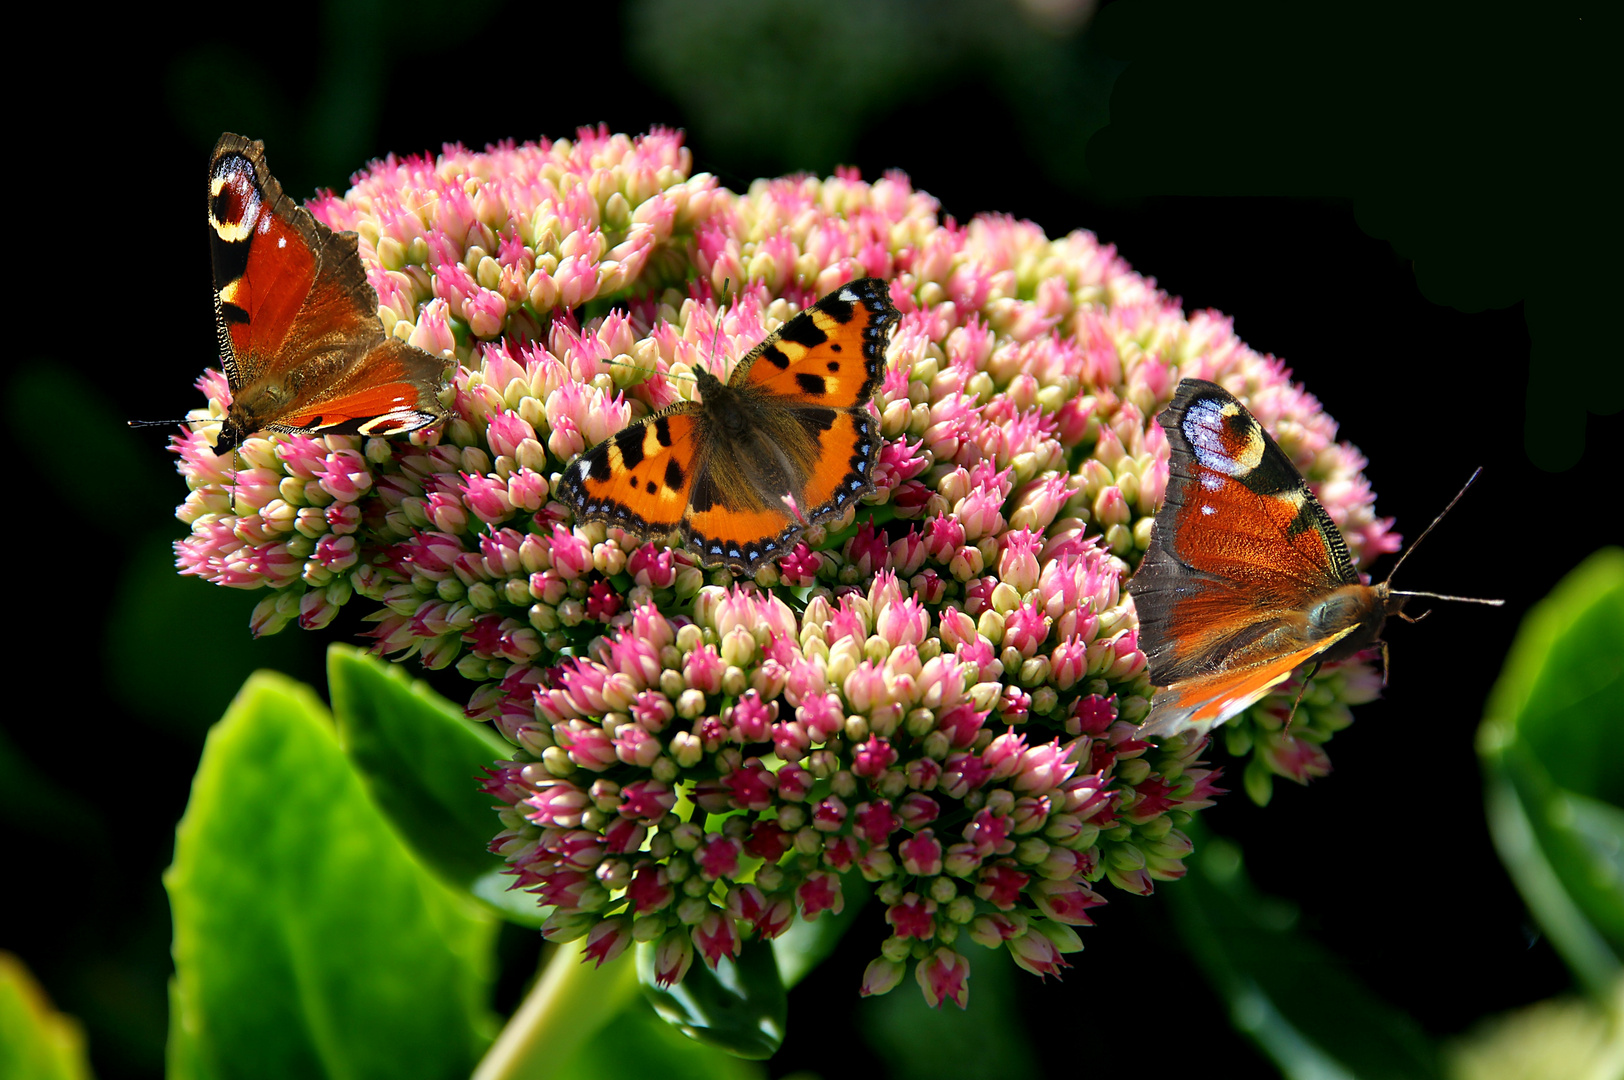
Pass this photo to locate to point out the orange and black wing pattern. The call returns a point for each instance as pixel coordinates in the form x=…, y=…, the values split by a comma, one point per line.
x=788, y=442
x=303, y=347
x=1240, y=553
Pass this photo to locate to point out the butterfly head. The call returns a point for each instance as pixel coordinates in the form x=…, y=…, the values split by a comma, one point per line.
x=230, y=437
x=710, y=387
x=250, y=409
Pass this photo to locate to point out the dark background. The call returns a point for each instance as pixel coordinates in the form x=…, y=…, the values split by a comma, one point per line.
x=1403, y=201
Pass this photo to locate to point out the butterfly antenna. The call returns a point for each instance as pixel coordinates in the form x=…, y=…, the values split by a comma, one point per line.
x=716, y=331
x=1424, y=532
x=424, y=206
x=236, y=451
x=716, y=338
x=1444, y=596
x=155, y=423
x=650, y=372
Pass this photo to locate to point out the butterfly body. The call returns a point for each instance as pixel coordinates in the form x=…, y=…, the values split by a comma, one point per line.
x=1246, y=577
x=300, y=338
x=787, y=442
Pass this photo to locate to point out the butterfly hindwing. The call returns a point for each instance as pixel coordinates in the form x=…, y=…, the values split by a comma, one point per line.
x=382, y=393
x=639, y=479
x=1204, y=701
x=303, y=347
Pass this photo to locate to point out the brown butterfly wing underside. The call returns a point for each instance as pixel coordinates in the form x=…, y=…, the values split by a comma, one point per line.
x=786, y=443
x=303, y=347
x=1246, y=576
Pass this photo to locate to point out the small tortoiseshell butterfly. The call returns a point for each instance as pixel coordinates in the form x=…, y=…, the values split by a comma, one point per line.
x=786, y=443
x=1246, y=576
x=303, y=347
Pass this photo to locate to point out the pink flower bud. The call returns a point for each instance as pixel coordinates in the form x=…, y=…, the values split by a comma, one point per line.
x=943, y=976
x=913, y=917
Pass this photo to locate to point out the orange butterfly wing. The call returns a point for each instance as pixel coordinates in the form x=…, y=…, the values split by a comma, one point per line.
x=1240, y=555
x=830, y=355
x=788, y=442
x=1201, y=702
x=639, y=479
x=303, y=347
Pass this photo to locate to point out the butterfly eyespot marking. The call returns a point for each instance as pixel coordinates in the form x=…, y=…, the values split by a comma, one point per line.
x=1224, y=438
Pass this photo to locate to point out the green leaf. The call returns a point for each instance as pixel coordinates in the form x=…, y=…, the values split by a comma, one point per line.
x=308, y=942
x=421, y=761
x=36, y=1041
x=1562, y=688
x=1552, y=745
x=1564, y=1038
x=639, y=1043
x=740, y=1007
x=1284, y=991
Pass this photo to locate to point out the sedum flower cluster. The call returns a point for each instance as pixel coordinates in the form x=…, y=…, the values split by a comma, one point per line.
x=939, y=694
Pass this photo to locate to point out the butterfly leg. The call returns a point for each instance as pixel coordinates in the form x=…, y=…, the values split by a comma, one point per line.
x=236, y=467
x=1303, y=689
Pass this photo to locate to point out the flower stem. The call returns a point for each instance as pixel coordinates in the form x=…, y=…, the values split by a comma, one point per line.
x=569, y=1002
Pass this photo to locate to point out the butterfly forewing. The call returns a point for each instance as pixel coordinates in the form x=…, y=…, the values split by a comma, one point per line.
x=303, y=347
x=831, y=354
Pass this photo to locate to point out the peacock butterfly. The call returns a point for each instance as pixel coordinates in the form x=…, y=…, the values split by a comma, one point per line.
x=303, y=347
x=788, y=441
x=1246, y=577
